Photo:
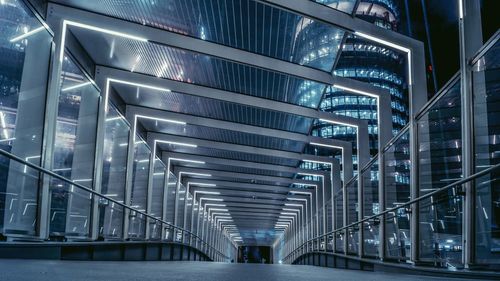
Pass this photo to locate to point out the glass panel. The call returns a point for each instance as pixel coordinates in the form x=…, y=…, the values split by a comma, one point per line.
x=114, y=170
x=139, y=188
x=157, y=197
x=397, y=191
x=486, y=81
x=371, y=207
x=440, y=142
x=339, y=221
x=352, y=216
x=24, y=61
x=74, y=151
x=188, y=212
x=171, y=191
x=441, y=228
x=158, y=187
x=181, y=200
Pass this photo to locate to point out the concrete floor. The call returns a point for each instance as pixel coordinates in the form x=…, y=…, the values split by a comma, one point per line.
x=49, y=270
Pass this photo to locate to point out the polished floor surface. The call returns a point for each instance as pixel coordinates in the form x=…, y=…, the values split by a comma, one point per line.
x=41, y=270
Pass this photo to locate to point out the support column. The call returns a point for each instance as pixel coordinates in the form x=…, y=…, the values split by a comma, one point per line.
x=471, y=40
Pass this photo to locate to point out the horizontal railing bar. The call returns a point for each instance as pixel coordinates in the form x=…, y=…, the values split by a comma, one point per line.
x=51, y=173
x=413, y=201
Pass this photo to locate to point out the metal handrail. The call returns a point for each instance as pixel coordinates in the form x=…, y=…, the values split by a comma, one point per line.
x=413, y=201
x=95, y=193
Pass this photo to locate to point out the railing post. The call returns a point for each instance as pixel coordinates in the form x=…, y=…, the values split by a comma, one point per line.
x=471, y=40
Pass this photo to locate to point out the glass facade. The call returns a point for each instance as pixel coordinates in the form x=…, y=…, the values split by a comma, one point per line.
x=24, y=65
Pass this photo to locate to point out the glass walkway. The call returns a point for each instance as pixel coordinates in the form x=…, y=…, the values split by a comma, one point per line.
x=198, y=131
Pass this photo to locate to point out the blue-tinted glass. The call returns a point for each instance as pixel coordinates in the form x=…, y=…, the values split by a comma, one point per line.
x=24, y=63
x=74, y=151
x=139, y=188
x=244, y=24
x=486, y=86
x=397, y=191
x=114, y=170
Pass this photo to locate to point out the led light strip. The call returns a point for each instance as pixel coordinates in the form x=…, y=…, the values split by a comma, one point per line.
x=27, y=34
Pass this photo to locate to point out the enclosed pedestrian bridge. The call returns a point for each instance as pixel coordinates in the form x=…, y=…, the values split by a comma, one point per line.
x=243, y=131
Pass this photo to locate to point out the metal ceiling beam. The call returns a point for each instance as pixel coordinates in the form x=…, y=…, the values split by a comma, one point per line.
x=207, y=92
x=341, y=19
x=216, y=173
x=246, y=164
x=196, y=45
x=232, y=126
x=243, y=193
x=235, y=186
x=239, y=148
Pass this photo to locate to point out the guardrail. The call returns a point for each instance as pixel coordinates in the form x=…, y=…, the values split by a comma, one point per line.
x=300, y=249
x=208, y=249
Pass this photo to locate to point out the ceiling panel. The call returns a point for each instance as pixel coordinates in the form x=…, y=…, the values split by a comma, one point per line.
x=222, y=135
x=243, y=24
x=211, y=108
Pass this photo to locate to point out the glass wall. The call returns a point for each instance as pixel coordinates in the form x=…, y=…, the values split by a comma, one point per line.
x=371, y=207
x=74, y=151
x=157, y=196
x=139, y=188
x=339, y=220
x=486, y=106
x=24, y=62
x=397, y=191
x=116, y=136
x=440, y=153
x=352, y=215
x=171, y=191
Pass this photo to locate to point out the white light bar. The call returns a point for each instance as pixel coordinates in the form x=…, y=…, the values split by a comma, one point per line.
x=292, y=204
x=187, y=160
x=203, y=184
x=177, y=143
x=196, y=174
x=140, y=85
x=355, y=91
x=318, y=162
x=326, y=145
x=292, y=210
x=218, y=209
x=338, y=123
x=27, y=34
x=160, y=119
x=381, y=41
x=212, y=199
x=300, y=192
x=208, y=192
x=308, y=174
x=75, y=86
x=285, y=213
x=215, y=205
x=94, y=28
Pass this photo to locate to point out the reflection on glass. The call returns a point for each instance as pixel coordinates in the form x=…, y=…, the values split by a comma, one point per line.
x=371, y=206
x=171, y=193
x=24, y=62
x=74, y=151
x=441, y=228
x=352, y=215
x=114, y=170
x=440, y=142
x=397, y=191
x=181, y=200
x=157, y=194
x=139, y=188
x=339, y=221
x=486, y=97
